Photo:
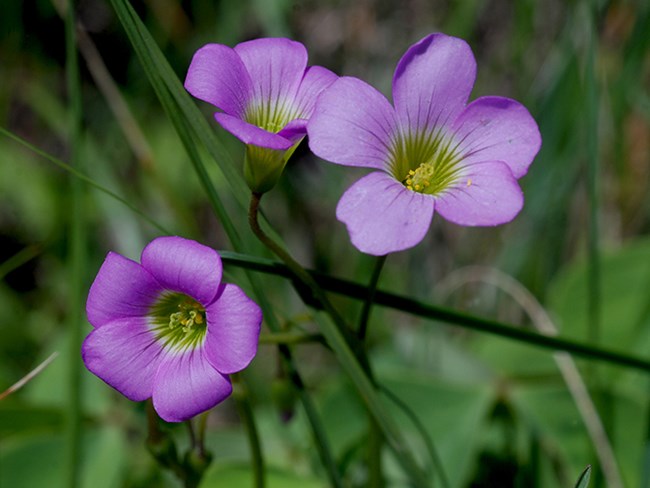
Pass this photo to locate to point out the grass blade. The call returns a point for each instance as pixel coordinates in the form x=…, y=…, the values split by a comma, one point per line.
x=583, y=481
x=77, y=251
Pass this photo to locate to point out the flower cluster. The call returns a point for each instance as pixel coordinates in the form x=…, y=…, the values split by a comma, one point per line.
x=168, y=329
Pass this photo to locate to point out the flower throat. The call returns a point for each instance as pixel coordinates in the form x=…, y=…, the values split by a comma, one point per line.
x=178, y=321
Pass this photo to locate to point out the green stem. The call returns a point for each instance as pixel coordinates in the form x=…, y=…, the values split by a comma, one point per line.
x=346, y=347
x=410, y=306
x=318, y=431
x=591, y=121
x=302, y=275
x=77, y=252
x=200, y=436
x=372, y=289
x=242, y=401
x=433, y=453
x=82, y=177
x=375, y=439
x=290, y=338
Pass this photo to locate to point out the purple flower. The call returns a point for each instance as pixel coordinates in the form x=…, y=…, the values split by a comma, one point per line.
x=168, y=328
x=266, y=93
x=431, y=149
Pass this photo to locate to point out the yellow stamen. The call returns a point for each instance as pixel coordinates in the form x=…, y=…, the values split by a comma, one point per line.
x=190, y=313
x=420, y=178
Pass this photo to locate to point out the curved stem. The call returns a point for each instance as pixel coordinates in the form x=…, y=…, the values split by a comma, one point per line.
x=300, y=273
x=347, y=349
x=431, y=449
x=372, y=289
x=248, y=420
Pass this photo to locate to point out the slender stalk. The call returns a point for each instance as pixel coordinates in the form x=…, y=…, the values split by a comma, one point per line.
x=21, y=257
x=78, y=257
x=83, y=177
x=346, y=347
x=375, y=439
x=290, y=338
x=29, y=376
x=375, y=442
x=242, y=402
x=318, y=431
x=591, y=121
x=417, y=308
x=372, y=289
x=593, y=241
x=307, y=280
x=436, y=462
x=200, y=436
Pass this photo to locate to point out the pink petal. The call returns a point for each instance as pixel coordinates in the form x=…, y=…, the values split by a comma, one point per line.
x=353, y=124
x=186, y=385
x=433, y=81
x=487, y=195
x=276, y=67
x=499, y=129
x=251, y=134
x=234, y=322
x=125, y=354
x=217, y=75
x=121, y=289
x=382, y=216
x=184, y=266
x=294, y=130
x=315, y=80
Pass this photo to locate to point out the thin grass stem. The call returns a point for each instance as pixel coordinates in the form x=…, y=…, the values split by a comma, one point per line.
x=372, y=289
x=83, y=177
x=346, y=348
x=375, y=438
x=78, y=257
x=417, y=308
x=242, y=402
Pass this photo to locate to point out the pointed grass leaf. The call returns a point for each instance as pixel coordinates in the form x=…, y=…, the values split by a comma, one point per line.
x=583, y=481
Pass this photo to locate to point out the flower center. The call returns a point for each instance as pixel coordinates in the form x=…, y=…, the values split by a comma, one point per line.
x=190, y=312
x=420, y=178
x=178, y=321
x=270, y=116
x=427, y=162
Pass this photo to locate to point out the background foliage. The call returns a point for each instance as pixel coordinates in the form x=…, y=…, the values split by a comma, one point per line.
x=499, y=412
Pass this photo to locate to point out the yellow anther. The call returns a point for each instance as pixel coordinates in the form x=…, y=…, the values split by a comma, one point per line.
x=190, y=313
x=469, y=182
x=419, y=178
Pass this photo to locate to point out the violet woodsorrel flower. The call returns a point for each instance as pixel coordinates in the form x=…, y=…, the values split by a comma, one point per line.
x=431, y=149
x=168, y=328
x=266, y=93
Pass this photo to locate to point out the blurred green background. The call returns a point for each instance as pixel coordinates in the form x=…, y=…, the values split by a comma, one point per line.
x=500, y=413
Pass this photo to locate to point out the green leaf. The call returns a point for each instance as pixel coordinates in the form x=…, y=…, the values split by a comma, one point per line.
x=583, y=481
